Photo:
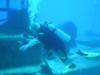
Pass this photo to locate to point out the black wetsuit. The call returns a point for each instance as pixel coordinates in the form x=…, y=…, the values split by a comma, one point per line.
x=51, y=41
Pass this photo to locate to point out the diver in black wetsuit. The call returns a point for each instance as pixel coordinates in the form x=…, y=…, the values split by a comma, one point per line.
x=52, y=38
x=53, y=41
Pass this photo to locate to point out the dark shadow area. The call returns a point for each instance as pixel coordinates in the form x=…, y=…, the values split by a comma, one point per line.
x=10, y=56
x=17, y=22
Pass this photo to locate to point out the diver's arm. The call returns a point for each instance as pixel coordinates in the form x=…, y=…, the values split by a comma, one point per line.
x=30, y=44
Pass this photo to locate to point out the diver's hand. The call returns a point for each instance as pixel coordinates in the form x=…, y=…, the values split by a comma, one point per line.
x=31, y=43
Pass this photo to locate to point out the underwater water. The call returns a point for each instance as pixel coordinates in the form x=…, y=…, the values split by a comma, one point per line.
x=69, y=46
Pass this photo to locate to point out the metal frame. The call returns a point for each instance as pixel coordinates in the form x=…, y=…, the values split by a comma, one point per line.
x=23, y=3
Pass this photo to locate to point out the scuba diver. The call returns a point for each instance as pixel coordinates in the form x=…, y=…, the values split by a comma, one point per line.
x=52, y=38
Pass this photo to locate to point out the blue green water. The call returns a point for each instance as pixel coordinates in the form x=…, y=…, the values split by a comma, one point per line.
x=77, y=18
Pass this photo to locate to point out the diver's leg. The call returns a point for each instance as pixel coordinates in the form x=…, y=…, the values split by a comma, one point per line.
x=62, y=54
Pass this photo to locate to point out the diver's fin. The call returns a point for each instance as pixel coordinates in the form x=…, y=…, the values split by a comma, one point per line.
x=88, y=54
x=82, y=53
x=56, y=65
